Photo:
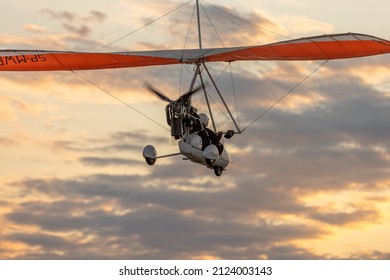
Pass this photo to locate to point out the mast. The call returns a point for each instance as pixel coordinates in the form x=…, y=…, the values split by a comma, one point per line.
x=199, y=29
x=198, y=65
x=198, y=72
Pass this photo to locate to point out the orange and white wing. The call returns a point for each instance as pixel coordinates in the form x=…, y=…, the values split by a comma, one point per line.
x=336, y=46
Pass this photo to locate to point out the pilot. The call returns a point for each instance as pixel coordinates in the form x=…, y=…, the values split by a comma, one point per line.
x=209, y=136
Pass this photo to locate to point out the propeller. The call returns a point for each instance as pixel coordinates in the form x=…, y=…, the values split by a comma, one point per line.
x=181, y=99
x=188, y=95
x=158, y=93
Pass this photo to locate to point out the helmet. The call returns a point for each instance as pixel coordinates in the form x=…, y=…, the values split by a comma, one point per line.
x=204, y=119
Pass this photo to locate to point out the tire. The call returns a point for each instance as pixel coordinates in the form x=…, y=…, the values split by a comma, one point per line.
x=218, y=170
x=150, y=161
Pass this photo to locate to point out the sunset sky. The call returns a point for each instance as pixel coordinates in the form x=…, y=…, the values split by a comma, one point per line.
x=309, y=180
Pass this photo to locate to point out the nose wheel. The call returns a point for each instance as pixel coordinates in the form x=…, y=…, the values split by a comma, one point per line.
x=218, y=170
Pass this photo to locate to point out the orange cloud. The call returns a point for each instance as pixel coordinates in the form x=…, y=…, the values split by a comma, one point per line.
x=308, y=185
x=302, y=25
x=10, y=107
x=35, y=28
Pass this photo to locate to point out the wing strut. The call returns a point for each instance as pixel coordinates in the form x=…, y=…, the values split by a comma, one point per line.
x=207, y=101
x=220, y=95
x=199, y=29
x=198, y=72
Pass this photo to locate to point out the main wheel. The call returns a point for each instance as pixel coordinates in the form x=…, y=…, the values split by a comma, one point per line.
x=150, y=154
x=150, y=161
x=218, y=170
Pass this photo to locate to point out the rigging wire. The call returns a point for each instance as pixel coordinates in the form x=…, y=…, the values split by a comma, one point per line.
x=212, y=25
x=117, y=98
x=184, y=48
x=162, y=24
x=187, y=37
x=212, y=99
x=222, y=20
x=145, y=25
x=284, y=96
x=122, y=37
x=188, y=30
x=247, y=22
x=234, y=93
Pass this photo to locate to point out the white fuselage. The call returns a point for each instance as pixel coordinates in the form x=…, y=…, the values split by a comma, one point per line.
x=192, y=149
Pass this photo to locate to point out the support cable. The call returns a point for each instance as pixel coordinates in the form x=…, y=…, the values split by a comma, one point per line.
x=199, y=27
x=234, y=93
x=118, y=99
x=184, y=48
x=212, y=25
x=145, y=25
x=284, y=96
x=212, y=99
x=220, y=95
x=247, y=22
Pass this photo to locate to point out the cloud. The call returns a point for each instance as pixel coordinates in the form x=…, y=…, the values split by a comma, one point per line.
x=221, y=26
x=301, y=25
x=347, y=218
x=116, y=142
x=68, y=16
x=6, y=141
x=95, y=16
x=35, y=28
x=99, y=162
x=72, y=22
x=12, y=106
x=312, y=140
x=179, y=210
x=82, y=30
x=158, y=220
x=292, y=252
x=166, y=217
x=59, y=15
x=371, y=255
x=42, y=240
x=331, y=135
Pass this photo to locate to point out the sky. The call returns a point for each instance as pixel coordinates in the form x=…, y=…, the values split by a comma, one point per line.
x=309, y=180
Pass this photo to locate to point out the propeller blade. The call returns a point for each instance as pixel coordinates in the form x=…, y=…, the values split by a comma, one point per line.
x=158, y=93
x=187, y=95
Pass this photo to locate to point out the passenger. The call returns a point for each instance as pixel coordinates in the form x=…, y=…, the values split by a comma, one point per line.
x=209, y=136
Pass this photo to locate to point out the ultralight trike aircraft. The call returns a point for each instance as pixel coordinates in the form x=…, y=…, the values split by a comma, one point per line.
x=197, y=142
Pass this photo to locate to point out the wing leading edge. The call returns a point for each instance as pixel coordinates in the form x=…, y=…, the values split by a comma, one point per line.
x=336, y=46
